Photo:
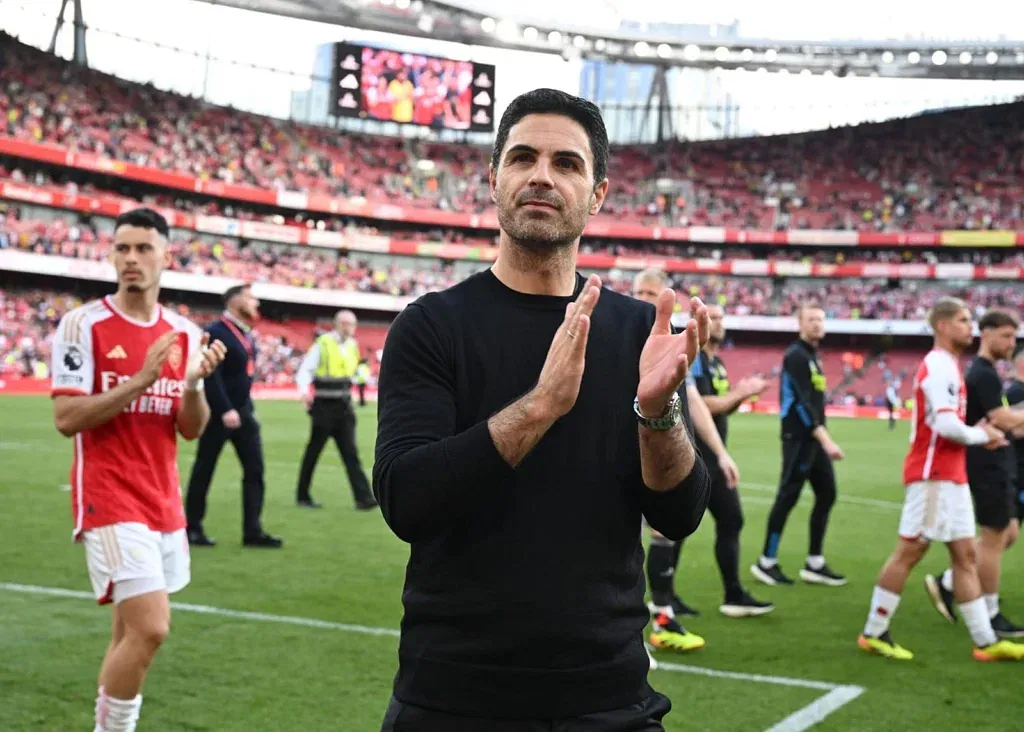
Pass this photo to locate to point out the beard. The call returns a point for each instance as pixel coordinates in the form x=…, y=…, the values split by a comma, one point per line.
x=135, y=288
x=715, y=340
x=538, y=232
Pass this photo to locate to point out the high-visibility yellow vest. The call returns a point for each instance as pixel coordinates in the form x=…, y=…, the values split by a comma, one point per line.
x=338, y=362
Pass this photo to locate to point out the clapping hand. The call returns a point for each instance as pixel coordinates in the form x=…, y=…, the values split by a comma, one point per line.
x=666, y=356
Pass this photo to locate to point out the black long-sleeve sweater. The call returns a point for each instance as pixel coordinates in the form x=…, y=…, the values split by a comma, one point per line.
x=524, y=590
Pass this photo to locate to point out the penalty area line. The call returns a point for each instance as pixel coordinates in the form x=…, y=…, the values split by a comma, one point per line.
x=804, y=718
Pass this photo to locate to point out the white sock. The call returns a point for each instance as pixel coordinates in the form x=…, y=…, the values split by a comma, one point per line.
x=663, y=610
x=816, y=562
x=992, y=603
x=947, y=580
x=117, y=715
x=883, y=607
x=767, y=562
x=979, y=625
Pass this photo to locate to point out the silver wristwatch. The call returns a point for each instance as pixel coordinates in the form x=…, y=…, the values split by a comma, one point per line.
x=669, y=418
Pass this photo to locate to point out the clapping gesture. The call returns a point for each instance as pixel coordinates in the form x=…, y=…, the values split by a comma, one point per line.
x=666, y=356
x=205, y=360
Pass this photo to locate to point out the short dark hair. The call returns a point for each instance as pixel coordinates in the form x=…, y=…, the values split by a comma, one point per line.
x=997, y=319
x=234, y=290
x=144, y=218
x=552, y=101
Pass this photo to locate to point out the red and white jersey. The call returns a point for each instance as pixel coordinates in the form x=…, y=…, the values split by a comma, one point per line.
x=127, y=469
x=938, y=387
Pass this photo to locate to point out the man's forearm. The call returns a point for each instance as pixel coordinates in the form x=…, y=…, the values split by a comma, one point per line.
x=518, y=428
x=193, y=414
x=666, y=457
x=74, y=414
x=821, y=434
x=703, y=423
x=726, y=404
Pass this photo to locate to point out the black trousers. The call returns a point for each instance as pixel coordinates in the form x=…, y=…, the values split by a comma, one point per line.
x=247, y=443
x=334, y=419
x=362, y=394
x=803, y=460
x=643, y=717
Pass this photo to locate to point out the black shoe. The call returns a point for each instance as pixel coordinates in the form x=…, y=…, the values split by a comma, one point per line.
x=771, y=576
x=942, y=598
x=742, y=605
x=263, y=540
x=682, y=610
x=308, y=503
x=823, y=576
x=1006, y=629
x=196, y=537
x=367, y=504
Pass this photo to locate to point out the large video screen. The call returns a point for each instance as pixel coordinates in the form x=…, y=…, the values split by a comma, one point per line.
x=410, y=88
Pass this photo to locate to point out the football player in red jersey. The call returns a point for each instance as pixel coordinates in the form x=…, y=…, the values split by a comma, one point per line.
x=127, y=379
x=937, y=504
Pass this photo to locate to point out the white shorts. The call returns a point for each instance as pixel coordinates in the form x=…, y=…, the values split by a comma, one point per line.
x=937, y=511
x=129, y=559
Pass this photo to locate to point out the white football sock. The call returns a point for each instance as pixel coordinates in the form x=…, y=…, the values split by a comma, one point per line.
x=947, y=580
x=992, y=603
x=117, y=715
x=767, y=562
x=816, y=562
x=883, y=607
x=663, y=609
x=979, y=625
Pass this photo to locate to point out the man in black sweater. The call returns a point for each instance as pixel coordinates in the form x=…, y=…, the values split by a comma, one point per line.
x=232, y=417
x=518, y=469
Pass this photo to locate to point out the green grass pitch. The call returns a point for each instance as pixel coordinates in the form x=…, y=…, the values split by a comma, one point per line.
x=252, y=672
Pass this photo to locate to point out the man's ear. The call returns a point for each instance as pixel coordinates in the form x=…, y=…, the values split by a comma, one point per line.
x=598, y=196
x=492, y=176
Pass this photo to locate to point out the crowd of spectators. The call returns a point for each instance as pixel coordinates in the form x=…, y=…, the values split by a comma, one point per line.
x=29, y=318
x=955, y=170
x=301, y=266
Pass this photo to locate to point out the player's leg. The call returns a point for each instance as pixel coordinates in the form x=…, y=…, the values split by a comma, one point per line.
x=724, y=506
x=885, y=598
x=660, y=569
x=795, y=454
x=967, y=589
x=210, y=444
x=344, y=434
x=666, y=632
x=995, y=506
x=823, y=482
x=127, y=566
x=320, y=430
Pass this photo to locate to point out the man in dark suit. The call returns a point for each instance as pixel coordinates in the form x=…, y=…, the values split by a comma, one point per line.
x=232, y=417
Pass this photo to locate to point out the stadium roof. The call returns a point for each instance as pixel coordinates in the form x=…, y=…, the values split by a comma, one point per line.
x=603, y=35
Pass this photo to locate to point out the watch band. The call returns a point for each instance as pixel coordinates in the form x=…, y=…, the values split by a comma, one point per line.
x=667, y=420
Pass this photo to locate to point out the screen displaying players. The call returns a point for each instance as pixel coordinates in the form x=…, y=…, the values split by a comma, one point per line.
x=412, y=88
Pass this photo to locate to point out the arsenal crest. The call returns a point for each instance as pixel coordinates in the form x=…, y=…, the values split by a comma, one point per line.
x=174, y=356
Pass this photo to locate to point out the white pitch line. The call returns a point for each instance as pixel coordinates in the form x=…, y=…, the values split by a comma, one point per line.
x=798, y=721
x=209, y=610
x=857, y=500
x=817, y=710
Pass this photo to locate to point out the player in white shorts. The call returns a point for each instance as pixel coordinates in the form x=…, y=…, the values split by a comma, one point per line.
x=937, y=505
x=127, y=380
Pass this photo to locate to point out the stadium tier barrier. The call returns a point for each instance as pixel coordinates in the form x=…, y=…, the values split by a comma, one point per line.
x=29, y=386
x=602, y=226
x=101, y=271
x=112, y=206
